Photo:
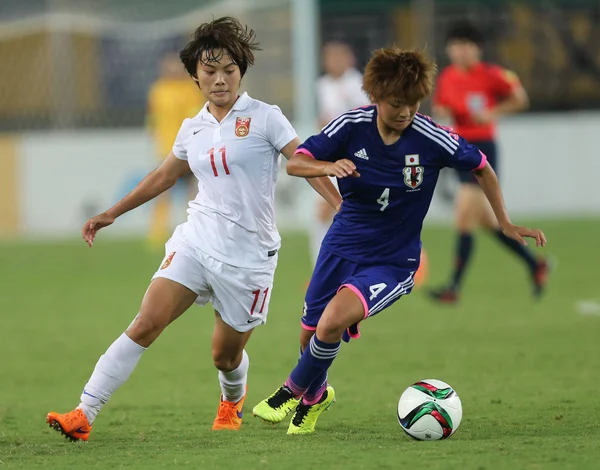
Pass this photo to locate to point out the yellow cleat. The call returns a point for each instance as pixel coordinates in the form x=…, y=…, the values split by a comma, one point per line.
x=305, y=417
x=275, y=408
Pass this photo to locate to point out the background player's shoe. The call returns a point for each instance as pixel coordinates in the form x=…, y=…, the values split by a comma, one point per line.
x=73, y=425
x=305, y=417
x=540, y=276
x=445, y=295
x=275, y=408
x=229, y=415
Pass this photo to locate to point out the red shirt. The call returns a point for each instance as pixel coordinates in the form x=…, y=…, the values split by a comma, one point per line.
x=466, y=92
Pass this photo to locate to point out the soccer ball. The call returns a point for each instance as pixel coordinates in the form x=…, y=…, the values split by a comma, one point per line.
x=429, y=410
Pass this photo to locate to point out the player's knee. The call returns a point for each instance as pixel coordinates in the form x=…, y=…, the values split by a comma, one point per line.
x=225, y=362
x=331, y=327
x=145, y=329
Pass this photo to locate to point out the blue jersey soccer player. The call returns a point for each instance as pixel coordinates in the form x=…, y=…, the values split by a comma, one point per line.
x=387, y=159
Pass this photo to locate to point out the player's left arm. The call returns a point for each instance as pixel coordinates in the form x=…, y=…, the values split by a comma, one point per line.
x=321, y=185
x=488, y=181
x=283, y=137
x=467, y=157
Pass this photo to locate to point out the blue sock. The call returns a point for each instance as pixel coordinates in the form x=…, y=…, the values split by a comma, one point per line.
x=313, y=364
x=317, y=388
x=315, y=391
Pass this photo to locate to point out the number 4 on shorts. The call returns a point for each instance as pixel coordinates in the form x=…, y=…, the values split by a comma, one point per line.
x=376, y=289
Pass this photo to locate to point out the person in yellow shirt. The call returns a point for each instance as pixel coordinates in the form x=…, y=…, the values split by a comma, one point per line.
x=172, y=98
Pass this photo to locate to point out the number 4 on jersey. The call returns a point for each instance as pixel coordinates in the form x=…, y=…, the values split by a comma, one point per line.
x=384, y=199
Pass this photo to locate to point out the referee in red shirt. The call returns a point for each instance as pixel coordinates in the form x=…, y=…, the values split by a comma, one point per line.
x=473, y=95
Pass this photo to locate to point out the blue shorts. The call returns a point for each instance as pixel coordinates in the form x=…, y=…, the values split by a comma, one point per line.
x=489, y=148
x=377, y=286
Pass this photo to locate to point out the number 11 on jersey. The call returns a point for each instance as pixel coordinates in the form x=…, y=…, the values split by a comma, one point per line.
x=211, y=153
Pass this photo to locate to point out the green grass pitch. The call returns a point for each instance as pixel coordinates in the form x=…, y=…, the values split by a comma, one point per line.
x=528, y=373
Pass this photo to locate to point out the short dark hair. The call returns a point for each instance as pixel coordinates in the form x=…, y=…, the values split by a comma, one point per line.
x=225, y=34
x=406, y=75
x=465, y=31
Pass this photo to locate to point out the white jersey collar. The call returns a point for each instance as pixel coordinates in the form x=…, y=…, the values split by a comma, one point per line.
x=241, y=103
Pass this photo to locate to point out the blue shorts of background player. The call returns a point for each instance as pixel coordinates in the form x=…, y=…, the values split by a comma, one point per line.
x=377, y=286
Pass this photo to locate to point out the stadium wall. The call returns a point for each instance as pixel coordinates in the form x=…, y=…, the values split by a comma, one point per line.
x=51, y=182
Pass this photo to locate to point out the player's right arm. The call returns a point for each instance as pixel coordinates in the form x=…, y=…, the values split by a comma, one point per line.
x=306, y=166
x=319, y=155
x=156, y=182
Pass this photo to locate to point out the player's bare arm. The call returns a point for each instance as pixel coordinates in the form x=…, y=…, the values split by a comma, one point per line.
x=321, y=185
x=307, y=167
x=491, y=187
x=155, y=183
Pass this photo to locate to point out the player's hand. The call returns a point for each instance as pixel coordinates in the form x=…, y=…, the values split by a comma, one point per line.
x=342, y=168
x=91, y=227
x=520, y=233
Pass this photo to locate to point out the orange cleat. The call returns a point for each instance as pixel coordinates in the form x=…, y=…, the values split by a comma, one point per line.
x=229, y=415
x=73, y=425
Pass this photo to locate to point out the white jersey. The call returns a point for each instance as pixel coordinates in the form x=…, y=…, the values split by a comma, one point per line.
x=236, y=162
x=338, y=95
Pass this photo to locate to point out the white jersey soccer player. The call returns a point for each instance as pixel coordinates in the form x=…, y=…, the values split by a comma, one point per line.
x=226, y=252
x=230, y=233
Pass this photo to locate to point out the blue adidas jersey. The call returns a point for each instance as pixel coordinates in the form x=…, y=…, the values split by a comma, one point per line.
x=383, y=209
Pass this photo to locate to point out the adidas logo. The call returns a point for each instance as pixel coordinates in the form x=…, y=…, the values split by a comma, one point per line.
x=362, y=153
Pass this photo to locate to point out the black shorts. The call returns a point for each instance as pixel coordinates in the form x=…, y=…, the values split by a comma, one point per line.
x=489, y=148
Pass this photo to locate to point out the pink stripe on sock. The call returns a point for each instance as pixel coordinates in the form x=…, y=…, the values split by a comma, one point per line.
x=297, y=391
x=360, y=297
x=317, y=396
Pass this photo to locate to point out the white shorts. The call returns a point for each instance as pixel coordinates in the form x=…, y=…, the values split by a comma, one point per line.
x=240, y=295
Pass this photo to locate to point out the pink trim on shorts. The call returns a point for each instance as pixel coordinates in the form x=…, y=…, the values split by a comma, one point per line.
x=305, y=152
x=309, y=328
x=483, y=161
x=359, y=295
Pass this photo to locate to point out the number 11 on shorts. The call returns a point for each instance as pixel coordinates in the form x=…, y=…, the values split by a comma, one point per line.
x=257, y=294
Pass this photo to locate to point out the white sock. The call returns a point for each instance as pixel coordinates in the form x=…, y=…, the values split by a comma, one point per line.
x=233, y=384
x=112, y=369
